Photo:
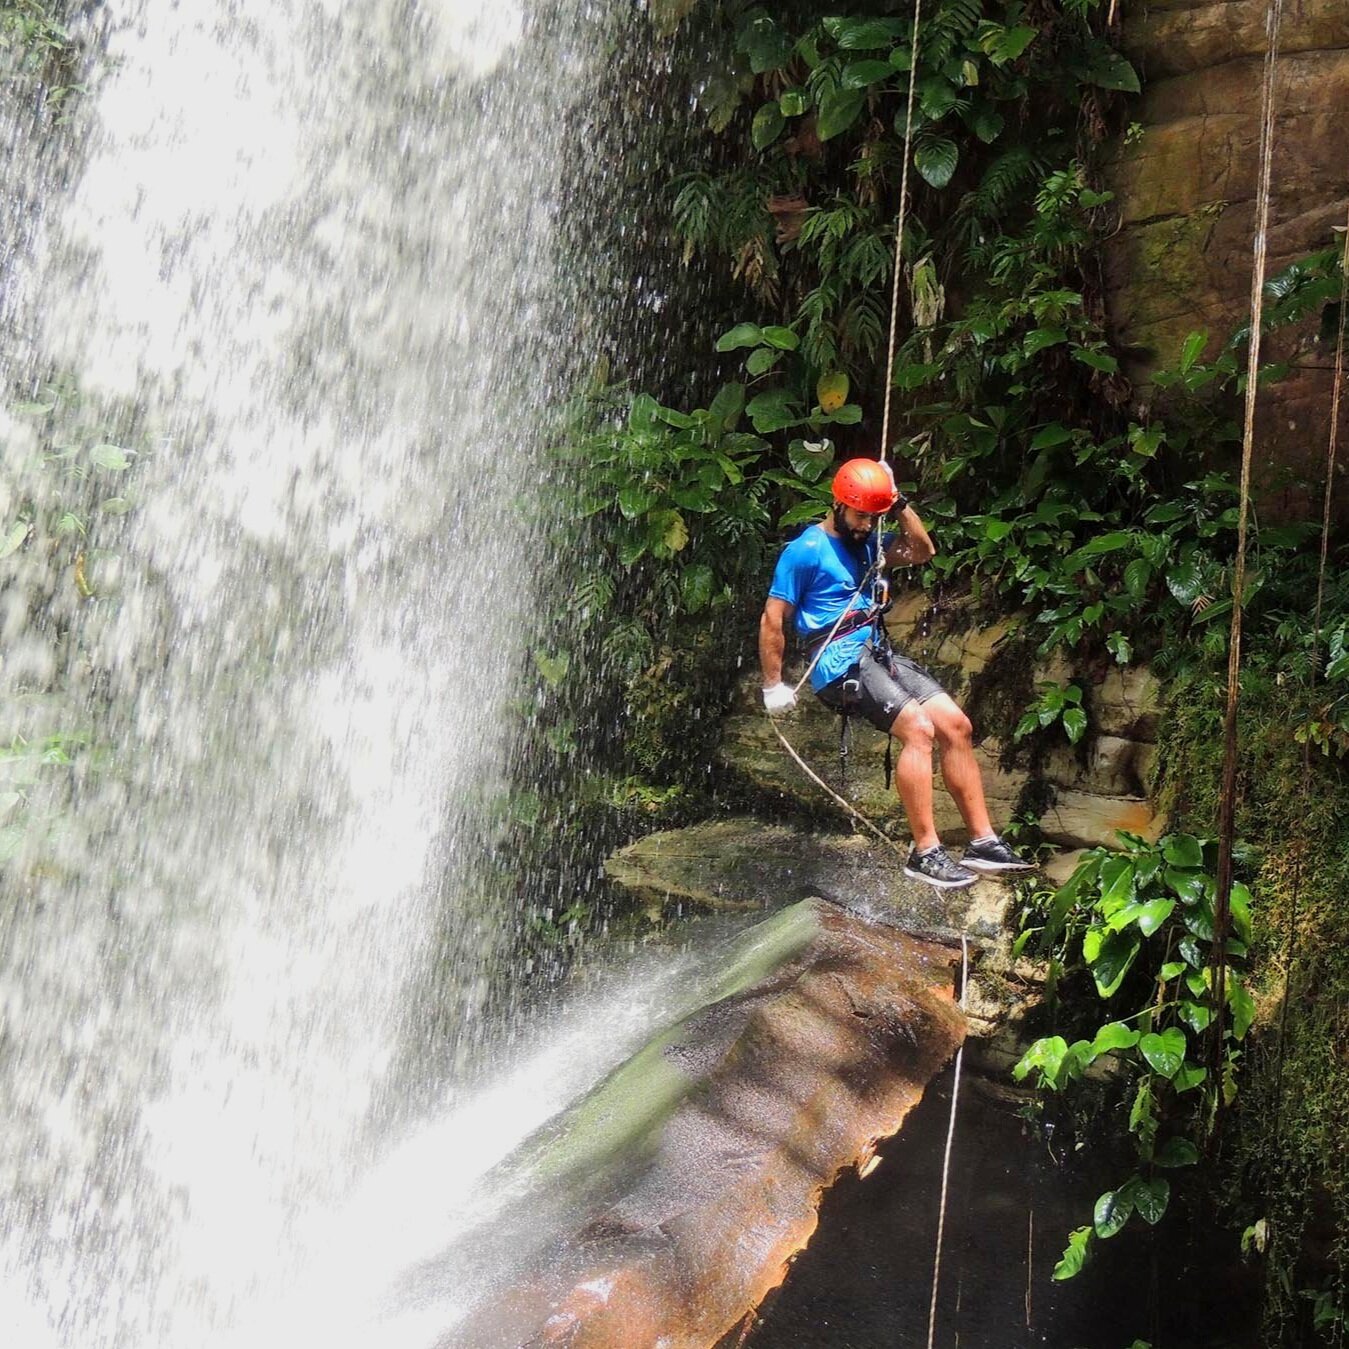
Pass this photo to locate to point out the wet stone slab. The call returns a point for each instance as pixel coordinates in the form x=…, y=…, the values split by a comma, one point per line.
x=675, y=1194
x=748, y=863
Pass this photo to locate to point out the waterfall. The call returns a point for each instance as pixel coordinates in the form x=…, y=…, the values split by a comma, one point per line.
x=281, y=322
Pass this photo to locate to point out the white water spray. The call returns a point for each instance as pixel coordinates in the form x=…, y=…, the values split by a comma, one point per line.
x=307, y=244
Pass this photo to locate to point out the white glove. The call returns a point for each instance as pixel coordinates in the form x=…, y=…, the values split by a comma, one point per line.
x=778, y=698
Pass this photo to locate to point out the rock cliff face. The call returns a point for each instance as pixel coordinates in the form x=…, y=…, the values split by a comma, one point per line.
x=1185, y=178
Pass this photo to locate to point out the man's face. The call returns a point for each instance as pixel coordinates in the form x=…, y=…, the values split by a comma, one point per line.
x=855, y=526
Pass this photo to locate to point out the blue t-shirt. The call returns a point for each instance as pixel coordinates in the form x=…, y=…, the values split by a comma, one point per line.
x=818, y=576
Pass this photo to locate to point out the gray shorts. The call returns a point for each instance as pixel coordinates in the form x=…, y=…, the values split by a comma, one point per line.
x=879, y=687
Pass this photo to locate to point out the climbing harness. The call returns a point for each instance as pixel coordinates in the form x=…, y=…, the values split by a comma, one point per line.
x=1222, y=904
x=950, y=1139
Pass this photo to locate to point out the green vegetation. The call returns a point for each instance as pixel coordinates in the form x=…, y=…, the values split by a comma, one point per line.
x=38, y=55
x=69, y=487
x=1139, y=922
x=1052, y=490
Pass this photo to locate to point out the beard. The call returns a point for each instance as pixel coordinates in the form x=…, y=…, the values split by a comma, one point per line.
x=855, y=540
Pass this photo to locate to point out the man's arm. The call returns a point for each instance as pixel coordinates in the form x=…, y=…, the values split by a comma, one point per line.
x=777, y=697
x=773, y=639
x=914, y=544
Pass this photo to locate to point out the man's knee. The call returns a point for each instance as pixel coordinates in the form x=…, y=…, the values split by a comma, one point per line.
x=914, y=728
x=953, y=728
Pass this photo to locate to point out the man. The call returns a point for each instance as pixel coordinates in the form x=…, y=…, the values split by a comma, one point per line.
x=827, y=574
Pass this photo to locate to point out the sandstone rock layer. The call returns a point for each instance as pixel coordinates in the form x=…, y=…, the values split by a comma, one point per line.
x=724, y=1134
x=1185, y=177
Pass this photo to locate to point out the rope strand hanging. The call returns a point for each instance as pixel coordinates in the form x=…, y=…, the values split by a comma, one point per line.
x=900, y=222
x=1222, y=905
x=899, y=232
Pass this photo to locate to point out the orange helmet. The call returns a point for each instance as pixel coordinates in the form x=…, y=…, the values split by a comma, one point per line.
x=865, y=485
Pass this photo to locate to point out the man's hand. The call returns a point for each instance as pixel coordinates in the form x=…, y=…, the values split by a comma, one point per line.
x=778, y=698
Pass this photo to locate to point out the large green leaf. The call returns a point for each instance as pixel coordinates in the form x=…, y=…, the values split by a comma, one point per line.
x=695, y=586
x=864, y=34
x=727, y=406
x=767, y=126
x=552, y=668
x=742, y=335
x=1165, y=1052
x=1196, y=1015
x=761, y=360
x=636, y=500
x=1075, y=1254
x=810, y=459
x=1242, y=1005
x=986, y=122
x=1187, y=882
x=781, y=338
x=111, y=457
x=1113, y=1209
x=1038, y=339
x=1188, y=1077
x=1150, y=1197
x=860, y=74
x=848, y=415
x=1074, y=723
x=1153, y=914
x=1049, y=436
x=1183, y=850
x=1115, y=954
x=666, y=529
x=772, y=411
x=1185, y=582
x=15, y=536
x=1177, y=1152
x=937, y=96
x=766, y=45
x=1007, y=44
x=1192, y=349
x=1046, y=1055
x=839, y=109
x=936, y=158
x=1114, y=1035
x=1240, y=903
x=643, y=413
x=1137, y=577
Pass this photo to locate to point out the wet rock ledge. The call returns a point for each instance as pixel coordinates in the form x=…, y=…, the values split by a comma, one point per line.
x=697, y=1167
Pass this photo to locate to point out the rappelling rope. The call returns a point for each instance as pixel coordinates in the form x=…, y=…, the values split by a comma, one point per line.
x=825, y=787
x=950, y=1139
x=899, y=233
x=885, y=430
x=1336, y=386
x=1227, y=800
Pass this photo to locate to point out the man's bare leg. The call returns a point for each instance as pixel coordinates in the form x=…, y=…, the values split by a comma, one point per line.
x=959, y=767
x=914, y=730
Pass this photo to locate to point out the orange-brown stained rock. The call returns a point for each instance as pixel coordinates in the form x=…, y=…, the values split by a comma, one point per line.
x=787, y=1082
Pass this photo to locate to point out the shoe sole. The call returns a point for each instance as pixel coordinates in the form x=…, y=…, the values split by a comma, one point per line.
x=940, y=885
x=975, y=864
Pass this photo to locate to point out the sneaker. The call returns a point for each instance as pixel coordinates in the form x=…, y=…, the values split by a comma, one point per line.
x=936, y=868
x=992, y=854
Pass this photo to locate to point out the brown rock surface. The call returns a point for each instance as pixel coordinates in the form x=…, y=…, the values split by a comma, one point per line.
x=755, y=863
x=705, y=1156
x=1185, y=181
